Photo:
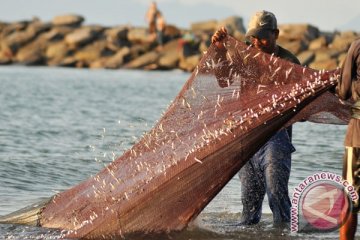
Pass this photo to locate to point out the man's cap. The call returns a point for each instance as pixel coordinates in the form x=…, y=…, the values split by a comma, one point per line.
x=261, y=23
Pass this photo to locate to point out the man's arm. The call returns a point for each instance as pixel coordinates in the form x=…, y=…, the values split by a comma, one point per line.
x=221, y=73
x=343, y=88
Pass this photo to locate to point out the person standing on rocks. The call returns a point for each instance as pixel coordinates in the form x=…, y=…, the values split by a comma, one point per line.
x=348, y=88
x=268, y=171
x=157, y=24
x=151, y=17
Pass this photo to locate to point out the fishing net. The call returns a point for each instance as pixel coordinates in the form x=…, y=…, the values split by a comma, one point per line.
x=225, y=112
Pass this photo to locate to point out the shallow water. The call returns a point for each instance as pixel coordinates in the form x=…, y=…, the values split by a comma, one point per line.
x=58, y=126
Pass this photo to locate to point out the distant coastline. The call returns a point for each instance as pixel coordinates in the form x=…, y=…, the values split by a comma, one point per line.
x=65, y=41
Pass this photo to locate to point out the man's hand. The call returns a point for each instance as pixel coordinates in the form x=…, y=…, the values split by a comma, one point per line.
x=218, y=36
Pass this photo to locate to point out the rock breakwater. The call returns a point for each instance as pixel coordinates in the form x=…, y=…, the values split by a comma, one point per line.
x=66, y=41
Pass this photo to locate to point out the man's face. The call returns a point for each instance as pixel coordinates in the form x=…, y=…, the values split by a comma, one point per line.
x=267, y=43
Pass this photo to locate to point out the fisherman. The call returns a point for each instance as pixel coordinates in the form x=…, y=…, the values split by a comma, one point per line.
x=157, y=25
x=349, y=88
x=268, y=170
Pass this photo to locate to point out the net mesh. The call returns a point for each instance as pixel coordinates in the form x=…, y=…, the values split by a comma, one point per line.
x=225, y=112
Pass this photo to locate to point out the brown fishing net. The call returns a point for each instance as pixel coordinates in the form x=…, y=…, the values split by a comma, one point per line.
x=225, y=112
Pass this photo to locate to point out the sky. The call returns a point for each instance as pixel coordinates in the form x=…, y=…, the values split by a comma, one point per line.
x=327, y=15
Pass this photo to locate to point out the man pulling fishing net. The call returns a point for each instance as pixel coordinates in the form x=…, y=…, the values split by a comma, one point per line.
x=268, y=170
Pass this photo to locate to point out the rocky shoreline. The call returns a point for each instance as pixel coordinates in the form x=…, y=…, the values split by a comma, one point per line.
x=66, y=41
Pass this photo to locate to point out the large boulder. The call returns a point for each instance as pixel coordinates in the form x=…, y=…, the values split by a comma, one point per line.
x=118, y=59
x=138, y=35
x=144, y=60
x=30, y=56
x=37, y=27
x=117, y=37
x=294, y=47
x=165, y=58
x=233, y=24
x=91, y=52
x=306, y=57
x=204, y=26
x=318, y=43
x=57, y=33
x=17, y=39
x=56, y=52
x=170, y=55
x=82, y=36
x=34, y=52
x=291, y=32
x=343, y=41
x=68, y=20
x=13, y=27
x=119, y=32
x=325, y=54
x=139, y=49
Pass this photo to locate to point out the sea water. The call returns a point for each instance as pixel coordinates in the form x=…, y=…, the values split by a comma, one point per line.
x=59, y=126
